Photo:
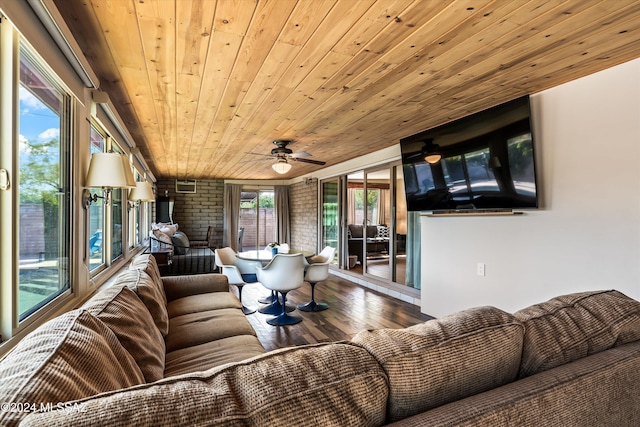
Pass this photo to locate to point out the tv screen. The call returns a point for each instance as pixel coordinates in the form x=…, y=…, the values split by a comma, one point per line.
x=484, y=161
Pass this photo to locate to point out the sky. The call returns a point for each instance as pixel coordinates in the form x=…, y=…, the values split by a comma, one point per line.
x=37, y=121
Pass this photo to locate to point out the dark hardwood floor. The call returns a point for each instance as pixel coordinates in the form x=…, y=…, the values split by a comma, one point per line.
x=351, y=309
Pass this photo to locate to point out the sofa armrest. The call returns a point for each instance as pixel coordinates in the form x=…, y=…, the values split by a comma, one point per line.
x=598, y=390
x=183, y=286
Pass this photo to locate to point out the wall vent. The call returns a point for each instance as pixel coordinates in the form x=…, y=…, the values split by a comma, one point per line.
x=186, y=186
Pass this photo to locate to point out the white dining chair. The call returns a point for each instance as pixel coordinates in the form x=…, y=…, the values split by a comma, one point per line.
x=317, y=271
x=284, y=273
x=272, y=300
x=239, y=272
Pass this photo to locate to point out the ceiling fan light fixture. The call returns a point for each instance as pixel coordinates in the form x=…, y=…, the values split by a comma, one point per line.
x=433, y=158
x=281, y=166
x=431, y=152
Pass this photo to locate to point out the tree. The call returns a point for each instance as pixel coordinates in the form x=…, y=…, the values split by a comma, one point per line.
x=39, y=179
x=39, y=175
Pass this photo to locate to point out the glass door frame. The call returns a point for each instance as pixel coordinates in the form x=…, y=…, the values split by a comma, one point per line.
x=391, y=226
x=340, y=244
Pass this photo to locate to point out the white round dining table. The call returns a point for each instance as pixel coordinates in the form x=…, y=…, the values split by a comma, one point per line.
x=265, y=256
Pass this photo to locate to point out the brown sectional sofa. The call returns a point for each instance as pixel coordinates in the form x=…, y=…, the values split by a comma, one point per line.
x=572, y=361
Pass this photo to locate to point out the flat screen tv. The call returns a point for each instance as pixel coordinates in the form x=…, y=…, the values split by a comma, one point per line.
x=484, y=161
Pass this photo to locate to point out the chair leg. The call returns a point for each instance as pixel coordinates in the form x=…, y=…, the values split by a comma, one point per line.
x=283, y=318
x=245, y=310
x=275, y=307
x=313, y=305
x=270, y=299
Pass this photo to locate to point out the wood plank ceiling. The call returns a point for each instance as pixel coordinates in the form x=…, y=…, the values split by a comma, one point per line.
x=203, y=84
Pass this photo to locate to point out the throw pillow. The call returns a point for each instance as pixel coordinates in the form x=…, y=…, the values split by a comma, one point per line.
x=316, y=259
x=148, y=264
x=151, y=295
x=383, y=232
x=168, y=229
x=162, y=240
x=356, y=231
x=46, y=366
x=123, y=312
x=573, y=326
x=180, y=242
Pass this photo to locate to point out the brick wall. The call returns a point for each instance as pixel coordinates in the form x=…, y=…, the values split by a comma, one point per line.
x=195, y=212
x=304, y=215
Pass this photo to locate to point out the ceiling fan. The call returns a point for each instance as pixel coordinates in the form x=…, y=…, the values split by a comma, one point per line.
x=283, y=154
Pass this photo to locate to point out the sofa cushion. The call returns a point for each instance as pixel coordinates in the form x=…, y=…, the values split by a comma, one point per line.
x=200, y=303
x=211, y=354
x=327, y=384
x=573, y=326
x=148, y=264
x=176, y=287
x=121, y=310
x=151, y=295
x=198, y=328
x=444, y=360
x=70, y=357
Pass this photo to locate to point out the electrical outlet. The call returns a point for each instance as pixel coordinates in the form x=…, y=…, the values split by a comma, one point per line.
x=481, y=269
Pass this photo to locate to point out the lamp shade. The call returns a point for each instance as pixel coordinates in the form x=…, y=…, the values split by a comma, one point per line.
x=142, y=192
x=281, y=166
x=109, y=170
x=128, y=172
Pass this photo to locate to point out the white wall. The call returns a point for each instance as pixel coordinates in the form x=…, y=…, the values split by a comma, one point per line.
x=586, y=235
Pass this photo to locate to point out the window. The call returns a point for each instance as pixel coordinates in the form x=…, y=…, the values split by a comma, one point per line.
x=468, y=174
x=105, y=220
x=43, y=187
x=135, y=210
x=117, y=199
x=96, y=210
x=521, y=164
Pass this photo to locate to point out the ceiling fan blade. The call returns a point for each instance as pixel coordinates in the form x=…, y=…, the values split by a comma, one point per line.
x=300, y=154
x=260, y=154
x=313, y=162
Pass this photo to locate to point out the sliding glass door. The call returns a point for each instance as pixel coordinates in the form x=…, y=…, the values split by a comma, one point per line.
x=257, y=220
x=376, y=224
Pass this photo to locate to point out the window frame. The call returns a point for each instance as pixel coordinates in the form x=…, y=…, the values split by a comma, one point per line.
x=14, y=49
